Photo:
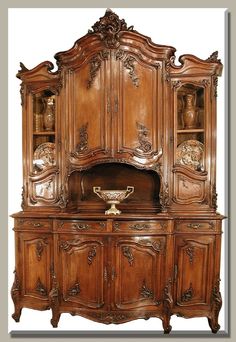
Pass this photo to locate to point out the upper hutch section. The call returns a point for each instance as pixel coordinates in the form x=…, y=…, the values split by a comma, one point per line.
x=117, y=98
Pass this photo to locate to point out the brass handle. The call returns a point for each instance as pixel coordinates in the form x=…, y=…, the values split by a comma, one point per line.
x=194, y=225
x=37, y=225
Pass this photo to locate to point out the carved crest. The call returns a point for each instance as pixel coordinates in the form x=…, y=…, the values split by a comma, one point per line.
x=109, y=27
x=213, y=58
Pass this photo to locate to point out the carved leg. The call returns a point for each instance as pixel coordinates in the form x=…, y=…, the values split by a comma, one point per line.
x=213, y=323
x=166, y=324
x=54, y=302
x=216, y=303
x=167, y=306
x=15, y=294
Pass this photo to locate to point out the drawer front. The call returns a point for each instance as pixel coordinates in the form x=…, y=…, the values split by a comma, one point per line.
x=198, y=225
x=81, y=226
x=33, y=224
x=140, y=226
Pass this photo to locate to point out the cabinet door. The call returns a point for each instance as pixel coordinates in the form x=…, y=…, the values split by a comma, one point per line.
x=89, y=108
x=138, y=272
x=82, y=270
x=34, y=257
x=137, y=106
x=194, y=258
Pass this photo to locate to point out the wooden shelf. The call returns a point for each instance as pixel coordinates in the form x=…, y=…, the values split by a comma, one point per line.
x=194, y=130
x=44, y=133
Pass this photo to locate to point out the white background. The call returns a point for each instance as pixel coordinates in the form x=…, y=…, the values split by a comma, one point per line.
x=35, y=35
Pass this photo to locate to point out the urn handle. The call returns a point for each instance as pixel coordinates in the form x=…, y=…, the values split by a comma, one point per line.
x=129, y=191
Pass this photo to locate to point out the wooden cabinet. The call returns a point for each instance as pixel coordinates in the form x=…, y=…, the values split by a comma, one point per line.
x=119, y=114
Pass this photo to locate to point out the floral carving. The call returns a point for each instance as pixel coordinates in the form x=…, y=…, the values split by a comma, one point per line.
x=40, y=288
x=68, y=245
x=91, y=255
x=164, y=196
x=82, y=146
x=129, y=64
x=214, y=197
x=128, y=254
x=109, y=27
x=144, y=144
x=190, y=253
x=146, y=292
x=23, y=196
x=74, y=290
x=188, y=294
x=95, y=65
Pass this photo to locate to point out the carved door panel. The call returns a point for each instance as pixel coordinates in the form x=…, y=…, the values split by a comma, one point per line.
x=138, y=273
x=194, y=260
x=136, y=106
x=89, y=91
x=35, y=251
x=82, y=270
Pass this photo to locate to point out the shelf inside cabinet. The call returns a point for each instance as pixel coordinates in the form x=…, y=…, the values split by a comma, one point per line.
x=195, y=130
x=44, y=133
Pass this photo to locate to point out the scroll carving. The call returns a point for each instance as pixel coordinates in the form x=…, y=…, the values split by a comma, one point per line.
x=213, y=58
x=68, y=245
x=167, y=306
x=216, y=303
x=164, y=196
x=82, y=146
x=91, y=255
x=146, y=292
x=144, y=144
x=95, y=65
x=128, y=254
x=40, y=244
x=156, y=245
x=15, y=294
x=40, y=288
x=129, y=64
x=190, y=253
x=188, y=294
x=109, y=27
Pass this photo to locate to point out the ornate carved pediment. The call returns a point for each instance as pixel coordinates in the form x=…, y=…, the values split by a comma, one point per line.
x=108, y=27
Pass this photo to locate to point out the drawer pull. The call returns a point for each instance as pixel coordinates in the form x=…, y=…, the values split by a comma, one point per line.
x=38, y=225
x=194, y=225
x=81, y=226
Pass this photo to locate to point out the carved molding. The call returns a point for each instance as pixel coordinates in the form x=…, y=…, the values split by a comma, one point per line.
x=68, y=245
x=91, y=254
x=109, y=27
x=95, y=65
x=128, y=254
x=144, y=144
x=188, y=294
x=146, y=292
x=129, y=64
x=40, y=288
x=158, y=246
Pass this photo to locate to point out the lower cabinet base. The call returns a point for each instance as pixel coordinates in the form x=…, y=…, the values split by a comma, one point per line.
x=119, y=317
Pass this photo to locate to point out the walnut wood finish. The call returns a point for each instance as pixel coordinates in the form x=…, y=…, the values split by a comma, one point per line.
x=117, y=101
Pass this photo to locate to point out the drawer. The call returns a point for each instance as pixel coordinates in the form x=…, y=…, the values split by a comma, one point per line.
x=198, y=225
x=140, y=226
x=34, y=224
x=81, y=226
